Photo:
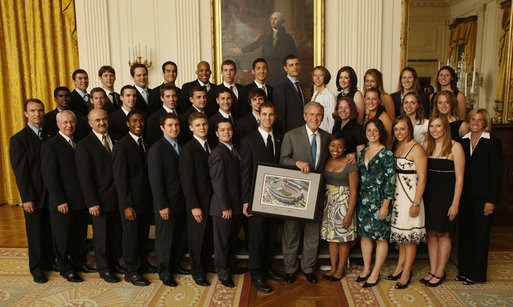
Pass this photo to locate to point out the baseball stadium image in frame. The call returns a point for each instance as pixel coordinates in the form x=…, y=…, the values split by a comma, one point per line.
x=286, y=193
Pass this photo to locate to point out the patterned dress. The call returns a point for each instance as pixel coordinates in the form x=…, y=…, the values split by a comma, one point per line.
x=337, y=204
x=377, y=183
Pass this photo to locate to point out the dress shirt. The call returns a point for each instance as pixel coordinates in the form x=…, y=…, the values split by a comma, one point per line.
x=202, y=142
x=232, y=87
x=143, y=92
x=84, y=95
x=484, y=135
x=262, y=87
x=318, y=141
x=264, y=135
x=256, y=117
x=174, y=144
x=35, y=129
x=207, y=85
x=125, y=111
x=136, y=139
x=168, y=110
x=111, y=97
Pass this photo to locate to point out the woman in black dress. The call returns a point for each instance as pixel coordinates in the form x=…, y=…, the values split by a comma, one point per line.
x=445, y=103
x=346, y=124
x=347, y=85
x=409, y=82
x=483, y=174
x=447, y=80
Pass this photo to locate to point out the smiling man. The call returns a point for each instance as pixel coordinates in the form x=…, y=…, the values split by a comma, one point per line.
x=107, y=76
x=203, y=74
x=79, y=96
x=118, y=118
x=224, y=100
x=228, y=72
x=169, y=99
x=62, y=97
x=169, y=73
x=260, y=70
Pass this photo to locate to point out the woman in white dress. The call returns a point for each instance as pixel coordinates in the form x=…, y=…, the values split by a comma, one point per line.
x=321, y=77
x=415, y=111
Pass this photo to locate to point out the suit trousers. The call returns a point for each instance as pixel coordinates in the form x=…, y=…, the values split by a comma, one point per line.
x=170, y=240
x=226, y=233
x=69, y=235
x=39, y=238
x=135, y=239
x=200, y=244
x=262, y=238
x=474, y=240
x=290, y=244
x=106, y=236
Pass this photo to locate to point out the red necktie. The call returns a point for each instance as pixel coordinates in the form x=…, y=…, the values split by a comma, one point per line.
x=235, y=102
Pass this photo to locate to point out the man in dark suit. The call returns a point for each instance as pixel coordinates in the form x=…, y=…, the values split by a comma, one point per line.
x=197, y=189
x=168, y=199
x=68, y=215
x=26, y=165
x=228, y=72
x=259, y=71
x=94, y=168
x=117, y=119
x=169, y=72
x=224, y=100
x=107, y=76
x=250, y=122
x=62, y=98
x=139, y=74
x=98, y=100
x=288, y=97
x=306, y=148
x=225, y=205
x=262, y=145
x=134, y=197
x=169, y=98
x=203, y=72
x=198, y=99
x=79, y=96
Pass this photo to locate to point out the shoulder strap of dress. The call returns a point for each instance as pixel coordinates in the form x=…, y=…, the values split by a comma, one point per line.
x=452, y=145
x=409, y=150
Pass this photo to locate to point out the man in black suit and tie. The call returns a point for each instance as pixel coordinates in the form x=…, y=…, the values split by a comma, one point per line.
x=62, y=98
x=259, y=71
x=224, y=100
x=134, y=197
x=262, y=145
x=169, y=98
x=168, y=199
x=117, y=119
x=197, y=189
x=107, y=76
x=68, y=214
x=139, y=74
x=250, y=122
x=306, y=148
x=203, y=72
x=228, y=72
x=79, y=96
x=198, y=99
x=288, y=97
x=225, y=205
x=169, y=72
x=94, y=168
x=98, y=100
x=26, y=165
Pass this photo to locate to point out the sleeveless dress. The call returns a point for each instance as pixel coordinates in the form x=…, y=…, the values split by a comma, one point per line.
x=404, y=228
x=337, y=204
x=349, y=94
x=455, y=130
x=438, y=195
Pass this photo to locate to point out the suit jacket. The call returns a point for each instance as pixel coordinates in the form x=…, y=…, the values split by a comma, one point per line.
x=296, y=147
x=246, y=125
x=24, y=151
x=94, y=168
x=165, y=177
x=244, y=103
x=240, y=91
x=117, y=125
x=212, y=138
x=50, y=122
x=184, y=103
x=155, y=100
x=224, y=167
x=253, y=150
x=289, y=106
x=195, y=176
x=186, y=133
x=117, y=103
x=78, y=104
x=60, y=174
x=153, y=132
x=131, y=175
x=483, y=170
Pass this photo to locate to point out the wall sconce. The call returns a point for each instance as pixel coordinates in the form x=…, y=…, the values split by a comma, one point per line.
x=136, y=54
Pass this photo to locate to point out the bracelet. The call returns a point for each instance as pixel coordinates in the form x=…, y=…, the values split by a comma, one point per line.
x=415, y=205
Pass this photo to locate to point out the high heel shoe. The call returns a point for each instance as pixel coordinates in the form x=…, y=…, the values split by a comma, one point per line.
x=425, y=281
x=364, y=278
x=394, y=277
x=333, y=278
x=436, y=284
x=370, y=285
x=460, y=278
x=399, y=285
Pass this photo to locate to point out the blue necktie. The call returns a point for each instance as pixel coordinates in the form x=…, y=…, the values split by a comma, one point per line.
x=175, y=146
x=313, y=146
x=298, y=89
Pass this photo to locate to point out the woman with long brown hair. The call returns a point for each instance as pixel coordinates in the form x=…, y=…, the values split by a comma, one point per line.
x=445, y=103
x=415, y=111
x=447, y=80
x=377, y=111
x=409, y=82
x=347, y=85
x=374, y=78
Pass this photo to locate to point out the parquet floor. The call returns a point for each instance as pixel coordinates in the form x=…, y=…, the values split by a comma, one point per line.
x=300, y=293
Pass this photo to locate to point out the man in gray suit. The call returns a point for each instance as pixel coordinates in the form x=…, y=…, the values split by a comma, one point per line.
x=306, y=148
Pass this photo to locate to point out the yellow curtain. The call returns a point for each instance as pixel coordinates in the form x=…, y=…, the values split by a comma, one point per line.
x=39, y=51
x=463, y=32
x=503, y=51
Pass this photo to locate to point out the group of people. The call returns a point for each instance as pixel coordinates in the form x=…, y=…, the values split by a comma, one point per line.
x=184, y=159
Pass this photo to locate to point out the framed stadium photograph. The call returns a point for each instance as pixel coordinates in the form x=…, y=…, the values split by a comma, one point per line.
x=284, y=192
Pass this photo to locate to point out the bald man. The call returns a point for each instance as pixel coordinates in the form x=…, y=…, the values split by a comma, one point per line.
x=203, y=72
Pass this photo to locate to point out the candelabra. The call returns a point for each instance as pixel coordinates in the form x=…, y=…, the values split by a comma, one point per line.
x=135, y=56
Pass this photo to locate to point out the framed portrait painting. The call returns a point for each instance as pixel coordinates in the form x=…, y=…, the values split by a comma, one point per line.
x=245, y=30
x=284, y=192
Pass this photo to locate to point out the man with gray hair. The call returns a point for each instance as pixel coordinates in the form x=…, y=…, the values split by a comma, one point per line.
x=305, y=148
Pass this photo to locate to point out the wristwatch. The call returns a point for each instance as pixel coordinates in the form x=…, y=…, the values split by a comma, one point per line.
x=415, y=205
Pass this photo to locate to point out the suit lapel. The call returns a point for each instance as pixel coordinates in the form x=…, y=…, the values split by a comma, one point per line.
x=99, y=146
x=170, y=148
x=306, y=144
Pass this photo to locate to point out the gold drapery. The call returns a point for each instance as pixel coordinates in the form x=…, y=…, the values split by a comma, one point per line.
x=503, y=51
x=39, y=51
x=463, y=31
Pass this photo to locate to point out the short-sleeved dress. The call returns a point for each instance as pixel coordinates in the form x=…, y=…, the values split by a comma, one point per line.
x=337, y=205
x=377, y=183
x=406, y=229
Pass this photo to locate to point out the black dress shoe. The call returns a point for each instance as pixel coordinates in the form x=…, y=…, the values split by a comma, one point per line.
x=182, y=271
x=109, y=277
x=369, y=285
x=290, y=278
x=137, y=280
x=52, y=267
x=118, y=269
x=274, y=276
x=39, y=277
x=170, y=282
x=85, y=269
x=238, y=271
x=228, y=282
x=202, y=281
x=311, y=277
x=360, y=278
x=394, y=277
x=261, y=285
x=72, y=277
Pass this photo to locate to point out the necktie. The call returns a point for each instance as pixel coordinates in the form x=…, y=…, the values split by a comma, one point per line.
x=72, y=143
x=313, y=146
x=40, y=134
x=231, y=120
x=234, y=152
x=265, y=90
x=270, y=145
x=145, y=95
x=207, y=149
x=111, y=98
x=235, y=102
x=300, y=93
x=86, y=97
x=141, y=144
x=177, y=149
x=105, y=143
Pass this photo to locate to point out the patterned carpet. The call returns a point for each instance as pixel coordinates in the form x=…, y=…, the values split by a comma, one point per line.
x=498, y=291
x=18, y=289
